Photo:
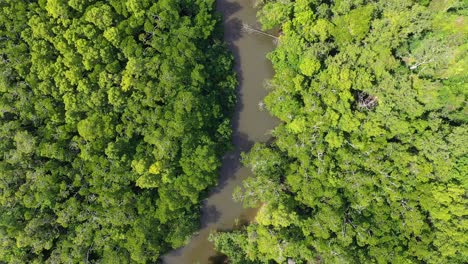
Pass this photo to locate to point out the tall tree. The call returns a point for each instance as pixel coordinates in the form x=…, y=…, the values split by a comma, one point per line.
x=369, y=164
x=113, y=116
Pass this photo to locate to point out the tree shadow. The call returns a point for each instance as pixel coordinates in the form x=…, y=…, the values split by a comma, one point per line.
x=232, y=28
x=232, y=25
x=233, y=32
x=209, y=215
x=218, y=259
x=231, y=162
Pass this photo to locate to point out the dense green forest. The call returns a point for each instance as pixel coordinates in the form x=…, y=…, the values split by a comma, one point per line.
x=113, y=118
x=370, y=162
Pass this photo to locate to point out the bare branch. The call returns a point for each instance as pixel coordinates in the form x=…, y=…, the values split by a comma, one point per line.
x=251, y=30
x=366, y=101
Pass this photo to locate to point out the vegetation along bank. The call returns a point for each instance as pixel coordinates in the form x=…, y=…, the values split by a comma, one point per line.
x=113, y=118
x=370, y=162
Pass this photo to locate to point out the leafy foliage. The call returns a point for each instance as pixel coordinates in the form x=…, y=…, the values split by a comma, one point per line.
x=114, y=115
x=370, y=162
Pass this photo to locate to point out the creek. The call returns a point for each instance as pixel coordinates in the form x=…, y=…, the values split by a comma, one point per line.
x=219, y=211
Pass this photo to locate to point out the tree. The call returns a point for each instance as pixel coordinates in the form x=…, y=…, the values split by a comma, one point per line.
x=368, y=164
x=113, y=122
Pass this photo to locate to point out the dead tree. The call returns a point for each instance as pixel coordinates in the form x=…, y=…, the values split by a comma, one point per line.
x=251, y=30
x=366, y=101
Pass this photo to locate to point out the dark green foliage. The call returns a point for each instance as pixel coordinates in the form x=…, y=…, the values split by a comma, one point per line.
x=370, y=163
x=113, y=118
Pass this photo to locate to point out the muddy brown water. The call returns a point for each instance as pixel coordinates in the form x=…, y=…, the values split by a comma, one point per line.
x=250, y=125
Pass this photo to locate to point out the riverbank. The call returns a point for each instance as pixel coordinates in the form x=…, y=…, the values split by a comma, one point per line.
x=250, y=125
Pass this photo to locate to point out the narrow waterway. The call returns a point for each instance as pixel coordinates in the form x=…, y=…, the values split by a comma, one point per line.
x=250, y=125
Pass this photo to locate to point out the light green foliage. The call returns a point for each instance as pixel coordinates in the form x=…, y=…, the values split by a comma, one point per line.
x=370, y=164
x=309, y=66
x=113, y=118
x=274, y=13
x=354, y=25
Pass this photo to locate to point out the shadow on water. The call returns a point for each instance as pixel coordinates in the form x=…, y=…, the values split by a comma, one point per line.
x=210, y=215
x=228, y=172
x=232, y=33
x=231, y=24
x=218, y=259
x=232, y=160
x=240, y=141
x=249, y=125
